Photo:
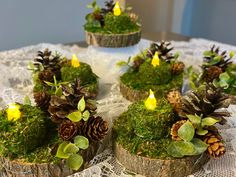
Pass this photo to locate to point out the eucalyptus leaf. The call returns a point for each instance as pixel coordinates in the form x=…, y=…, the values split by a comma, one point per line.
x=181, y=148
x=71, y=149
x=173, y=151
x=86, y=115
x=176, y=55
x=75, y=161
x=199, y=145
x=60, y=151
x=49, y=83
x=27, y=100
x=231, y=54
x=75, y=116
x=186, y=131
x=121, y=63
x=209, y=121
x=58, y=92
x=207, y=53
x=81, y=142
x=81, y=104
x=224, y=77
x=201, y=132
x=195, y=120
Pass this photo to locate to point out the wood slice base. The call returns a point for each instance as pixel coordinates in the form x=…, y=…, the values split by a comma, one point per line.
x=17, y=168
x=157, y=167
x=113, y=40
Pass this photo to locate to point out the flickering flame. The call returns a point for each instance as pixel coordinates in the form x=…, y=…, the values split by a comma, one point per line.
x=75, y=61
x=155, y=60
x=116, y=9
x=151, y=102
x=13, y=112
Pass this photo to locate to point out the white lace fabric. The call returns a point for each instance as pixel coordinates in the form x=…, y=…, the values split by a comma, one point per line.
x=16, y=82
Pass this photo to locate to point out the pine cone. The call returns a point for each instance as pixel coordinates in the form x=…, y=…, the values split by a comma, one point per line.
x=67, y=130
x=215, y=146
x=175, y=99
x=175, y=128
x=42, y=100
x=109, y=6
x=46, y=75
x=212, y=73
x=177, y=68
x=95, y=129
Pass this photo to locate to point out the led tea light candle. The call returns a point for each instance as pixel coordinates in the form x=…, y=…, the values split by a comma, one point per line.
x=155, y=60
x=13, y=112
x=75, y=61
x=151, y=102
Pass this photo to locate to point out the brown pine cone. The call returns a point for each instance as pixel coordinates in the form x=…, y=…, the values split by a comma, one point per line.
x=67, y=130
x=177, y=68
x=215, y=146
x=212, y=73
x=46, y=75
x=175, y=128
x=95, y=129
x=42, y=100
x=175, y=99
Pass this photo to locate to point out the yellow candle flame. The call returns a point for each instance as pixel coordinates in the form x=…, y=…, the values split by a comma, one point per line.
x=75, y=61
x=13, y=112
x=155, y=60
x=116, y=9
x=151, y=102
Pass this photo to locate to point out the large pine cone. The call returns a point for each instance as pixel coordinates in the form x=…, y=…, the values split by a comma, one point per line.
x=67, y=130
x=175, y=128
x=177, y=68
x=42, y=100
x=46, y=75
x=95, y=129
x=175, y=99
x=215, y=146
x=212, y=73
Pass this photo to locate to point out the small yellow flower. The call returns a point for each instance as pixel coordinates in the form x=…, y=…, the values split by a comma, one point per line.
x=155, y=60
x=75, y=61
x=116, y=9
x=151, y=102
x=13, y=112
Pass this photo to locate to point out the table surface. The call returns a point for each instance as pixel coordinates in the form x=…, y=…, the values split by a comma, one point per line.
x=154, y=36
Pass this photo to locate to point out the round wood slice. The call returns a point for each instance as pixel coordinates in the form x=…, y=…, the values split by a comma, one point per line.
x=131, y=94
x=17, y=168
x=113, y=40
x=157, y=167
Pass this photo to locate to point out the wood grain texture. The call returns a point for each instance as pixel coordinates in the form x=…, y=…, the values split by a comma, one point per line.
x=112, y=40
x=159, y=168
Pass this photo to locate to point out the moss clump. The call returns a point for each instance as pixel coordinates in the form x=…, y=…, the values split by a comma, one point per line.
x=84, y=73
x=143, y=131
x=24, y=135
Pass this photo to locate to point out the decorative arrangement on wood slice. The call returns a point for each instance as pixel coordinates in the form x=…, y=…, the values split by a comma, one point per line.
x=55, y=138
x=155, y=68
x=112, y=26
x=173, y=136
x=217, y=68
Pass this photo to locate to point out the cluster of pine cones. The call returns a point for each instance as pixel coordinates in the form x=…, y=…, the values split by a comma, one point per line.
x=202, y=103
x=94, y=129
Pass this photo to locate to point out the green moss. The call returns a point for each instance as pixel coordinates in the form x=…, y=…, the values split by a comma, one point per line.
x=39, y=87
x=24, y=135
x=143, y=131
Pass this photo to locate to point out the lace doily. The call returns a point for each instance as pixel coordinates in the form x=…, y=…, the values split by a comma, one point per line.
x=16, y=82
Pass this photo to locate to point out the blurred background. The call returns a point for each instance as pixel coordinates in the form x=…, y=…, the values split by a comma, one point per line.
x=27, y=22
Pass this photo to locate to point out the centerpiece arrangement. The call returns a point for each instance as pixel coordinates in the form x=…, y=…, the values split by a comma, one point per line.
x=59, y=135
x=173, y=136
x=155, y=68
x=112, y=26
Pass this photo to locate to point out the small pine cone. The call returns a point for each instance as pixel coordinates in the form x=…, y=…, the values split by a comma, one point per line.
x=175, y=128
x=215, y=146
x=95, y=129
x=213, y=73
x=46, y=75
x=133, y=17
x=177, y=68
x=175, y=99
x=67, y=130
x=42, y=100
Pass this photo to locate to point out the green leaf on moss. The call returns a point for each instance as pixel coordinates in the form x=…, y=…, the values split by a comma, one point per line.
x=71, y=149
x=27, y=100
x=58, y=92
x=75, y=161
x=121, y=63
x=181, y=148
x=81, y=141
x=207, y=53
x=60, y=151
x=186, y=131
x=231, y=54
x=86, y=115
x=201, y=132
x=209, y=121
x=75, y=116
x=199, y=145
x=195, y=120
x=81, y=104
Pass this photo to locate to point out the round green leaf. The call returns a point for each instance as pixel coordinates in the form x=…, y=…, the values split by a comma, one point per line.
x=75, y=161
x=58, y=92
x=60, y=151
x=195, y=120
x=173, y=151
x=81, y=104
x=27, y=100
x=199, y=145
x=186, y=131
x=231, y=54
x=209, y=121
x=181, y=148
x=86, y=115
x=71, y=149
x=201, y=132
x=81, y=141
x=75, y=116
x=224, y=77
